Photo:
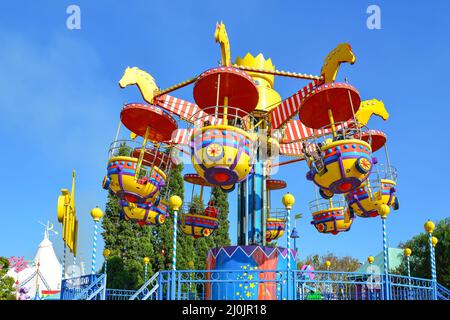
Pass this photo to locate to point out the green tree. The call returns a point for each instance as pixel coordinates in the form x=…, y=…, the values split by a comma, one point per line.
x=7, y=291
x=202, y=244
x=221, y=236
x=420, y=257
x=163, y=240
x=345, y=263
x=129, y=244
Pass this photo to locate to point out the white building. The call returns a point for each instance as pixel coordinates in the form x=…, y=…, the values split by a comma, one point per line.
x=43, y=275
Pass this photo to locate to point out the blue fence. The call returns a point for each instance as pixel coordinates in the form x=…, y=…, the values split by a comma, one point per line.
x=87, y=287
x=292, y=285
x=268, y=284
x=259, y=284
x=117, y=294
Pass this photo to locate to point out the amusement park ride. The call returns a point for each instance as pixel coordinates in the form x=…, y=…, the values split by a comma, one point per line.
x=237, y=128
x=234, y=135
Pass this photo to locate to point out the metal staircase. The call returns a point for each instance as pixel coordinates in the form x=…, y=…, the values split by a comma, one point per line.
x=442, y=292
x=95, y=288
x=159, y=286
x=95, y=291
x=149, y=290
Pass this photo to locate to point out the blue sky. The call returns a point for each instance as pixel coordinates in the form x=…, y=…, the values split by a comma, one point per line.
x=60, y=102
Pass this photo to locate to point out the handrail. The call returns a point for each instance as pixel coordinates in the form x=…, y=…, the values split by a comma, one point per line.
x=79, y=295
x=443, y=291
x=406, y=277
x=96, y=292
x=335, y=284
x=144, y=287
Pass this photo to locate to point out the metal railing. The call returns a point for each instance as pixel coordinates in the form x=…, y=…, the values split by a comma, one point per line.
x=222, y=285
x=149, y=290
x=118, y=294
x=130, y=148
x=325, y=204
x=87, y=287
x=277, y=214
x=344, y=130
x=290, y=285
x=404, y=288
x=331, y=285
x=253, y=284
x=442, y=292
x=384, y=171
x=235, y=117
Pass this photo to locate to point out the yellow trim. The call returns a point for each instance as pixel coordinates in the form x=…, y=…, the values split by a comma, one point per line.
x=347, y=141
x=123, y=158
x=131, y=159
x=388, y=181
x=275, y=220
x=226, y=127
x=328, y=210
x=201, y=216
x=160, y=172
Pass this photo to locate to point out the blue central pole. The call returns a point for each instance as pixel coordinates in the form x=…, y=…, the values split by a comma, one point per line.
x=386, y=260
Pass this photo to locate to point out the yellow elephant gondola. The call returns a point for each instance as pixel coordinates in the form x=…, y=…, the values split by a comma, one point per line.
x=340, y=164
x=138, y=178
x=331, y=218
x=198, y=225
x=374, y=198
x=121, y=180
x=345, y=165
x=145, y=214
x=223, y=155
x=275, y=228
x=276, y=221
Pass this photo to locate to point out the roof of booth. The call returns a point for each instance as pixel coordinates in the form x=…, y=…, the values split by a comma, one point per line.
x=395, y=259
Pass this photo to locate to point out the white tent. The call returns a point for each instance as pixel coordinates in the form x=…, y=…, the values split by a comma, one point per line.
x=43, y=275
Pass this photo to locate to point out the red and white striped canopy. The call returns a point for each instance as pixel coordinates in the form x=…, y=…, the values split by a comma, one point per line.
x=184, y=109
x=289, y=107
x=296, y=131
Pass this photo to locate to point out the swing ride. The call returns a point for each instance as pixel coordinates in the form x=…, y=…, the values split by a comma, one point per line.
x=276, y=221
x=234, y=134
x=137, y=171
x=330, y=216
x=376, y=196
x=196, y=222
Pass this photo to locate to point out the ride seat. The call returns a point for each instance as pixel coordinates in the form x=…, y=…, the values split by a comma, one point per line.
x=143, y=180
x=210, y=212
